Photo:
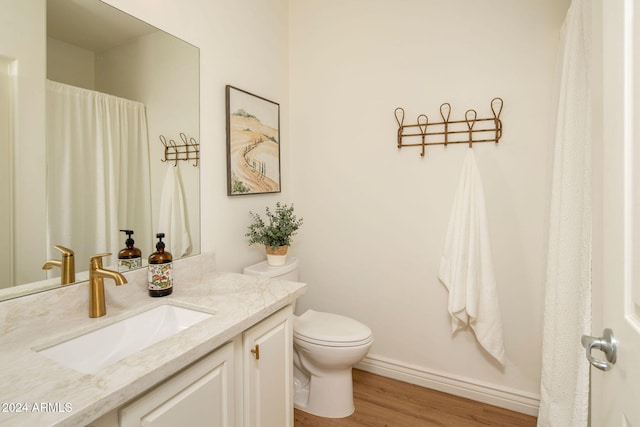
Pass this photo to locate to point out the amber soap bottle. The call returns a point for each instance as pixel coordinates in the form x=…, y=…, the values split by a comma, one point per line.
x=160, y=270
x=129, y=257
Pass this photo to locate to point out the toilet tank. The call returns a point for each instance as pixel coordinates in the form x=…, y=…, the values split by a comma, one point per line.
x=288, y=271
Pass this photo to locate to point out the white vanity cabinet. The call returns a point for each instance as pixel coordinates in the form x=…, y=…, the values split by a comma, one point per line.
x=268, y=372
x=200, y=395
x=246, y=382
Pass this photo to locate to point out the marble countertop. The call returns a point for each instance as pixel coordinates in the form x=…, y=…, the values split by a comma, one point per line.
x=35, y=390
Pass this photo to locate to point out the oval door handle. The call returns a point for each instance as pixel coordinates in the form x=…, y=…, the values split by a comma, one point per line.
x=606, y=344
x=256, y=352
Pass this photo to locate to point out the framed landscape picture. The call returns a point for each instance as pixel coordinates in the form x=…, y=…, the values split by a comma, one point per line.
x=253, y=143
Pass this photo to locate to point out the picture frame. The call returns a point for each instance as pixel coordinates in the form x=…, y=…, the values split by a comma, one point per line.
x=253, y=143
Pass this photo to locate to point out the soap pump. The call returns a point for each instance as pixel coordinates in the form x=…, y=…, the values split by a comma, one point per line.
x=129, y=257
x=160, y=270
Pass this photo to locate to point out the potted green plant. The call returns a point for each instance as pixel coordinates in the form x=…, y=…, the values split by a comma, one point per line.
x=275, y=233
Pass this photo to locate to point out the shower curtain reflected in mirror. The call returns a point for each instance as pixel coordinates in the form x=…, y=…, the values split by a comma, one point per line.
x=98, y=179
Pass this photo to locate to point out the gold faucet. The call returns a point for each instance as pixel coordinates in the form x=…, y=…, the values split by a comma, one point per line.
x=97, y=274
x=66, y=265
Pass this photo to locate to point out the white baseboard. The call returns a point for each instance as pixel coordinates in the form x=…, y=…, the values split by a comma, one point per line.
x=503, y=397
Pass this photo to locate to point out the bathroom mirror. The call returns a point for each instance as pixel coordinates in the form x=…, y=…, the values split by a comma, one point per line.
x=89, y=47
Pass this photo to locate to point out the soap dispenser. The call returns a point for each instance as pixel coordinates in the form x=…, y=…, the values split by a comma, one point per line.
x=160, y=270
x=129, y=257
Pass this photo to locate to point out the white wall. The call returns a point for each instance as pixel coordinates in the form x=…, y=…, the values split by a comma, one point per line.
x=376, y=218
x=70, y=64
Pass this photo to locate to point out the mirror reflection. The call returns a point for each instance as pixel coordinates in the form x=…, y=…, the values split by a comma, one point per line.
x=114, y=89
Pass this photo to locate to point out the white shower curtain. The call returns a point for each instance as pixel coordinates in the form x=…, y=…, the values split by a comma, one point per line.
x=567, y=312
x=97, y=172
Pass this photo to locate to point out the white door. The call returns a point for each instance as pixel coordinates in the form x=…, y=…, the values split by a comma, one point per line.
x=616, y=392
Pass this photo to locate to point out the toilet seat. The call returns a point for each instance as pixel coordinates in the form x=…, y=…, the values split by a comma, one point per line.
x=331, y=330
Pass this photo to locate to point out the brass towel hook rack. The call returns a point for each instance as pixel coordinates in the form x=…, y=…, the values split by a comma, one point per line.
x=469, y=131
x=188, y=150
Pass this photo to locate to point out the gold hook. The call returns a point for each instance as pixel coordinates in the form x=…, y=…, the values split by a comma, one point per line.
x=399, y=113
x=445, y=113
x=175, y=149
x=164, y=142
x=399, y=117
x=494, y=102
x=423, y=130
x=496, y=117
x=196, y=148
x=470, y=117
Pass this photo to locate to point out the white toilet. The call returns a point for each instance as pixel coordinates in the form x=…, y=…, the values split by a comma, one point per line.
x=326, y=346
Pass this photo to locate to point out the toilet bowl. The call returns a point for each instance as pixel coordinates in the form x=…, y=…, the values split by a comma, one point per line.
x=326, y=346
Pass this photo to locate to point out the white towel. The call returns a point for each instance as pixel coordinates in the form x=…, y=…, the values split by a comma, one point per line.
x=173, y=215
x=466, y=268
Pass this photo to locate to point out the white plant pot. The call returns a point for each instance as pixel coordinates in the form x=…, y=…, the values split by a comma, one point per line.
x=276, y=260
x=276, y=255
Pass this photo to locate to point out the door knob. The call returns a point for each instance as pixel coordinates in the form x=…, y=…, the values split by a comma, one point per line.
x=606, y=344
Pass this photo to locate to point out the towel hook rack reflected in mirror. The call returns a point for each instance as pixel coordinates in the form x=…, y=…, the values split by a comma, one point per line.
x=188, y=150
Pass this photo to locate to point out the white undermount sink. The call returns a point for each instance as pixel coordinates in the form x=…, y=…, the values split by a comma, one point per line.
x=95, y=350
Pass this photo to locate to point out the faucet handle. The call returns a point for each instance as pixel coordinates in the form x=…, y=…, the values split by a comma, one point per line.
x=66, y=252
x=96, y=260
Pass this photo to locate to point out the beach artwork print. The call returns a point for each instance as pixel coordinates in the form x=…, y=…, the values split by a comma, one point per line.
x=253, y=144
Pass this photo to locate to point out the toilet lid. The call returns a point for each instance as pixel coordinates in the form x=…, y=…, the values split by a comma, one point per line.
x=332, y=329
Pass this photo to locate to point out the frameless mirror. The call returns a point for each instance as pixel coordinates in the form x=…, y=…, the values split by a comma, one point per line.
x=107, y=77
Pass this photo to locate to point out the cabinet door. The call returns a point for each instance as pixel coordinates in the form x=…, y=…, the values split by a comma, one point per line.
x=268, y=372
x=201, y=395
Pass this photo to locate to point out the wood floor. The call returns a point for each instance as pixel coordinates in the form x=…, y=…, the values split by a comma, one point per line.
x=383, y=402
